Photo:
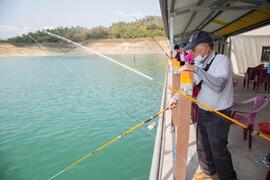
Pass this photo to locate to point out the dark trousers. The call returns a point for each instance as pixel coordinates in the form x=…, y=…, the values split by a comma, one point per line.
x=268, y=157
x=212, y=140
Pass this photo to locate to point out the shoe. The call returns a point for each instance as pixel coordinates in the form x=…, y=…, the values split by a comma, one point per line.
x=202, y=176
x=262, y=160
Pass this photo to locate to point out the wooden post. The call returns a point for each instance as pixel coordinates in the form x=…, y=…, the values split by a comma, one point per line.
x=183, y=120
x=175, y=85
x=175, y=111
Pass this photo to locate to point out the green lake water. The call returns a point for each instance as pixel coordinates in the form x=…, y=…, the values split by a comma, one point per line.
x=52, y=114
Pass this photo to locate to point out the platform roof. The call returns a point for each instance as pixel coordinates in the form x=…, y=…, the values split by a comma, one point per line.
x=219, y=17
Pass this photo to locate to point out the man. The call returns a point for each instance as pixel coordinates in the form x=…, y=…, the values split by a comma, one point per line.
x=212, y=72
x=179, y=55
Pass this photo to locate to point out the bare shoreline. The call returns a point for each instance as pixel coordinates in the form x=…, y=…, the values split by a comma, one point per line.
x=109, y=46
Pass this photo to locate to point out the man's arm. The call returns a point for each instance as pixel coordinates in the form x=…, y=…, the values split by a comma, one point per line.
x=217, y=81
x=217, y=84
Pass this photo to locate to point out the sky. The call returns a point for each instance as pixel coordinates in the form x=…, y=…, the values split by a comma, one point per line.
x=21, y=16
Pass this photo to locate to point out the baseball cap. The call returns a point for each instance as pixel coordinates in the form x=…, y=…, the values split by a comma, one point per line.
x=197, y=38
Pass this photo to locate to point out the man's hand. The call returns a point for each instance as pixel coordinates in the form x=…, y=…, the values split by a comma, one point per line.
x=173, y=101
x=172, y=105
x=187, y=67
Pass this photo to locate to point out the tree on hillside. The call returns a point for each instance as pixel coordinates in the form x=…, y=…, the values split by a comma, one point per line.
x=146, y=27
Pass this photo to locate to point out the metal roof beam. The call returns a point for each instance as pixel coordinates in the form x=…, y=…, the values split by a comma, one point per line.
x=210, y=18
x=172, y=6
x=212, y=15
x=192, y=16
x=196, y=8
x=188, y=34
x=255, y=2
x=264, y=23
x=232, y=21
x=164, y=13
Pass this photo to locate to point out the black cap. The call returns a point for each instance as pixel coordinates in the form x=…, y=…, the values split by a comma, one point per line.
x=176, y=46
x=197, y=38
x=183, y=44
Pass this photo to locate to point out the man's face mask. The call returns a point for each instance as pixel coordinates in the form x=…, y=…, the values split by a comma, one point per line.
x=198, y=51
x=199, y=59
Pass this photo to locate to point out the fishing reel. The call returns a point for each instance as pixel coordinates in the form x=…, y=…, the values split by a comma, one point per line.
x=152, y=126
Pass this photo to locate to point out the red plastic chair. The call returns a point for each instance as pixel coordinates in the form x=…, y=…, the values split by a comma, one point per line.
x=265, y=79
x=235, y=82
x=250, y=75
x=248, y=118
x=261, y=77
x=247, y=77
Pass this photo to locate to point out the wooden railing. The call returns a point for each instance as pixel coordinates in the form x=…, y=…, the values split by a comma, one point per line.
x=180, y=120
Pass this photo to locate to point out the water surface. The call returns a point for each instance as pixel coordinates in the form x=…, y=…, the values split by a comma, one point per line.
x=51, y=116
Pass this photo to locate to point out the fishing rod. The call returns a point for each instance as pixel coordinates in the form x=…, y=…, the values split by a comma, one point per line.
x=109, y=142
x=254, y=132
x=95, y=90
x=126, y=132
x=161, y=48
x=98, y=53
x=152, y=37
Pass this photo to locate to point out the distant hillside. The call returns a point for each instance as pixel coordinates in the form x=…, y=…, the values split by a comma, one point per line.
x=146, y=27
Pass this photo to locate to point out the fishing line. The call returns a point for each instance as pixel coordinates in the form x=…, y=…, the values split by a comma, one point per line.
x=126, y=132
x=90, y=85
x=254, y=132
